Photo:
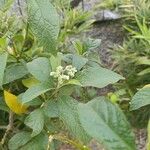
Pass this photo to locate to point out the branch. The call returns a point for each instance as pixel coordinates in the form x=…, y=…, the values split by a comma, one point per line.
x=9, y=127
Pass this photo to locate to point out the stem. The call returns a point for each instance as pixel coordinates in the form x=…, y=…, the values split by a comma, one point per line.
x=9, y=127
x=49, y=141
x=71, y=142
x=56, y=91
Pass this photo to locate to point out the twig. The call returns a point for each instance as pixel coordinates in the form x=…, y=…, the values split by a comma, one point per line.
x=9, y=127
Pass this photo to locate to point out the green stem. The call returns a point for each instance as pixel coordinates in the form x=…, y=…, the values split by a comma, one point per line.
x=71, y=142
x=56, y=91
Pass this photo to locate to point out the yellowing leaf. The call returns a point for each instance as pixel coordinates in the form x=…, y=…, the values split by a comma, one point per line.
x=14, y=104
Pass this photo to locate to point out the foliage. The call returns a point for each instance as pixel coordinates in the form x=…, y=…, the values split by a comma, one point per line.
x=132, y=61
x=39, y=80
x=132, y=58
x=74, y=22
x=141, y=99
x=111, y=4
x=128, y=9
x=102, y=113
x=139, y=8
x=143, y=94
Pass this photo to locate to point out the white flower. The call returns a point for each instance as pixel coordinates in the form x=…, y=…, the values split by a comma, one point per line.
x=63, y=74
x=71, y=74
x=71, y=70
x=69, y=67
x=59, y=69
x=60, y=81
x=52, y=73
x=74, y=69
x=65, y=77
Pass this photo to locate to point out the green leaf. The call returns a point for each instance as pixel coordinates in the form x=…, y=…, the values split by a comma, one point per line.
x=67, y=107
x=35, y=120
x=1, y=147
x=3, y=105
x=67, y=90
x=51, y=109
x=19, y=140
x=3, y=61
x=2, y=2
x=5, y=4
x=140, y=99
x=44, y=22
x=97, y=77
x=107, y=124
x=35, y=91
x=143, y=72
x=52, y=145
x=78, y=61
x=92, y=44
x=30, y=82
x=55, y=61
x=143, y=61
x=40, y=68
x=2, y=43
x=78, y=45
x=93, y=57
x=35, y=102
x=72, y=82
x=39, y=142
x=14, y=72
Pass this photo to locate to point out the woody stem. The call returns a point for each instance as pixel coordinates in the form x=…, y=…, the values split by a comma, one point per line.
x=9, y=127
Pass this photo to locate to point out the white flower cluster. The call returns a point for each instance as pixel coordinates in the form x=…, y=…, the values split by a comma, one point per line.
x=63, y=74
